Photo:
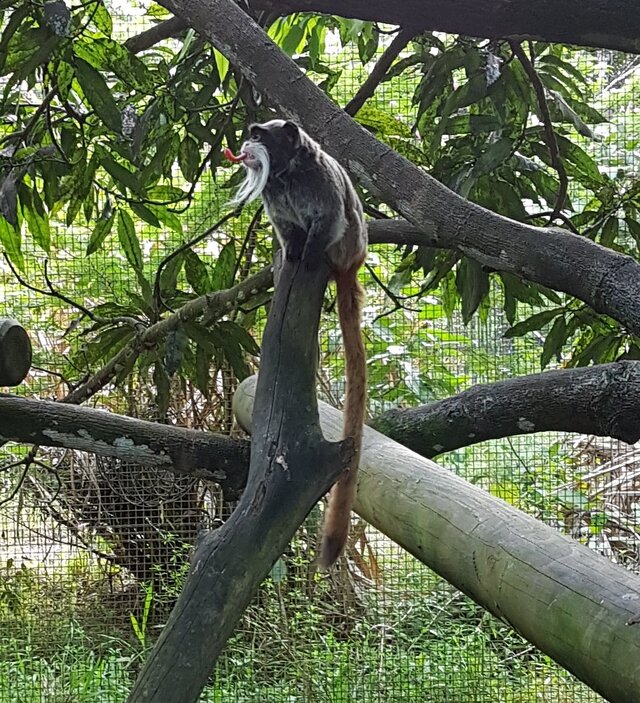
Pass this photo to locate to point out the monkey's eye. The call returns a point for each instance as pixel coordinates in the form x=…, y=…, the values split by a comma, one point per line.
x=254, y=137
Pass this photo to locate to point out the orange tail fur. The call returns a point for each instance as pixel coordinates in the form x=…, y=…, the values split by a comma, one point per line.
x=338, y=515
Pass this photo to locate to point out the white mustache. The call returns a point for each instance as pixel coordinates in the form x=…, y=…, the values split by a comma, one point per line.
x=257, y=168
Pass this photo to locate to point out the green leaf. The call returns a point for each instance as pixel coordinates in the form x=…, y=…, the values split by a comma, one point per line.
x=554, y=340
x=368, y=44
x=472, y=283
x=189, y=158
x=467, y=94
x=494, y=156
x=109, y=55
x=196, y=272
x=102, y=18
x=224, y=269
x=293, y=40
x=169, y=276
x=129, y=240
x=122, y=175
x=203, y=365
x=231, y=350
x=38, y=224
x=570, y=115
x=580, y=159
x=170, y=219
x=222, y=64
x=240, y=335
x=144, y=213
x=9, y=199
x=163, y=388
x=634, y=229
x=98, y=94
x=609, y=232
x=101, y=230
x=534, y=323
x=10, y=240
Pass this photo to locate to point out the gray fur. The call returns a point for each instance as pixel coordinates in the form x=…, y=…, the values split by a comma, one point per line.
x=308, y=196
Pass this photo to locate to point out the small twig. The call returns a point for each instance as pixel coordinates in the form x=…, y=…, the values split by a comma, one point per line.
x=157, y=293
x=27, y=129
x=367, y=89
x=559, y=216
x=53, y=293
x=27, y=461
x=247, y=245
x=550, y=135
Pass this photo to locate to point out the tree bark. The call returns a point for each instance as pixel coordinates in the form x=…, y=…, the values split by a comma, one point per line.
x=292, y=466
x=571, y=603
x=609, y=24
x=602, y=278
x=602, y=400
x=206, y=455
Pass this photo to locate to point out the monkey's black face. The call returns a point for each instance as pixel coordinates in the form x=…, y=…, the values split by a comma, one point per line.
x=280, y=139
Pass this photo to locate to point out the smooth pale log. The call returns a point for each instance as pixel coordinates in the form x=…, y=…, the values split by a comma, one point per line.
x=573, y=604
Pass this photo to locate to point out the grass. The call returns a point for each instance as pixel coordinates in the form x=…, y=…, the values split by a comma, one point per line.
x=418, y=640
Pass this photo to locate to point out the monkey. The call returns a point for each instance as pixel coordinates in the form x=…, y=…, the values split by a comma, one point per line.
x=315, y=212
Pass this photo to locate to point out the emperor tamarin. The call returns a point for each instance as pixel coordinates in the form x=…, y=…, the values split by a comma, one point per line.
x=316, y=212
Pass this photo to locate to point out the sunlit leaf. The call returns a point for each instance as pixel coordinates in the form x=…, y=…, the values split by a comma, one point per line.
x=101, y=230
x=98, y=94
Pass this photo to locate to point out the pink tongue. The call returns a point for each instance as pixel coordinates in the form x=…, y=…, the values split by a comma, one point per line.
x=232, y=157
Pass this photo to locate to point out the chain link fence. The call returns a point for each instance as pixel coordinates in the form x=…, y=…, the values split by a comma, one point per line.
x=93, y=551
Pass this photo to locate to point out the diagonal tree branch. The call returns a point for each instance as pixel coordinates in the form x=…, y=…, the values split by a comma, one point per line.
x=391, y=53
x=601, y=400
x=550, y=134
x=163, y=30
x=602, y=278
x=215, y=304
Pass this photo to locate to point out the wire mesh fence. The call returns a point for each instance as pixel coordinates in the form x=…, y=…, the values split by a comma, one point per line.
x=93, y=550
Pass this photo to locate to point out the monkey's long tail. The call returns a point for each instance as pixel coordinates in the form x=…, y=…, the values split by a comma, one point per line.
x=338, y=515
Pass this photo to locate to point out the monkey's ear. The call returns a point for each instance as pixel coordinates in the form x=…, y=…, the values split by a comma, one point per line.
x=292, y=131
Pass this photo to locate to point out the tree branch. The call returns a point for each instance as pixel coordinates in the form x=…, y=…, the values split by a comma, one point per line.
x=291, y=465
x=390, y=54
x=574, y=604
x=163, y=30
x=602, y=400
x=607, y=24
x=550, y=135
x=206, y=455
x=215, y=304
x=602, y=278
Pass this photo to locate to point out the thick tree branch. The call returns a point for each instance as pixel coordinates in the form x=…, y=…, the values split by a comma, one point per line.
x=601, y=400
x=185, y=452
x=602, y=278
x=367, y=89
x=609, y=24
x=292, y=466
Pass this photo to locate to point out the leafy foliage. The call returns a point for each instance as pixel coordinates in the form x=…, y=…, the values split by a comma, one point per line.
x=103, y=133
